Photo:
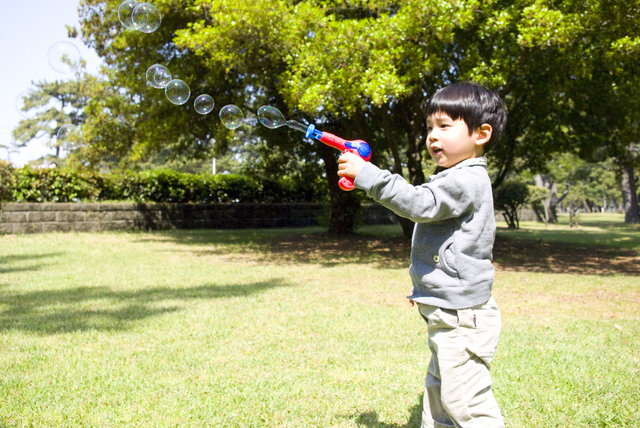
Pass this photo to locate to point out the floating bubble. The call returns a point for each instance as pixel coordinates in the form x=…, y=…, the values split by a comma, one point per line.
x=204, y=104
x=70, y=137
x=64, y=57
x=177, y=91
x=32, y=104
x=271, y=117
x=231, y=116
x=125, y=12
x=158, y=76
x=26, y=103
x=146, y=18
x=162, y=78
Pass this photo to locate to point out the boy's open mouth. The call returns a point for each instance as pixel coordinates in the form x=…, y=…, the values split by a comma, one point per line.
x=436, y=151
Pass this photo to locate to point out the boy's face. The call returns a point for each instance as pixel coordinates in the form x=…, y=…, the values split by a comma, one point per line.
x=449, y=142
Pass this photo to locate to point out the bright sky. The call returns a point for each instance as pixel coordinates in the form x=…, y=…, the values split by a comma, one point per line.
x=28, y=28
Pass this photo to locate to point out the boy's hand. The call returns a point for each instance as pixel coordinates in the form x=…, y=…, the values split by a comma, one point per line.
x=349, y=165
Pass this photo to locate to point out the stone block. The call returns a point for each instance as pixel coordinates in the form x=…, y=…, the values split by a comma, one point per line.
x=86, y=226
x=96, y=216
x=71, y=216
x=41, y=216
x=13, y=217
x=24, y=207
x=28, y=228
x=118, y=207
x=57, y=206
x=57, y=227
x=113, y=216
x=85, y=207
x=116, y=225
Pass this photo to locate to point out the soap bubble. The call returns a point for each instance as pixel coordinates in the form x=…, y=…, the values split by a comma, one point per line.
x=32, y=104
x=125, y=12
x=26, y=103
x=177, y=91
x=271, y=117
x=158, y=76
x=146, y=18
x=162, y=77
x=70, y=137
x=64, y=57
x=231, y=116
x=204, y=104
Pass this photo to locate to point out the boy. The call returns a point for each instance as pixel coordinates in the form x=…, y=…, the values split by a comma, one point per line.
x=451, y=251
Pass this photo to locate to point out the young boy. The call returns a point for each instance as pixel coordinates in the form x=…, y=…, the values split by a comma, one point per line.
x=451, y=251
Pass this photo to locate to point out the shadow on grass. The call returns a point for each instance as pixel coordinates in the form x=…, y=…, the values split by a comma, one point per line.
x=393, y=251
x=295, y=246
x=6, y=261
x=556, y=257
x=100, y=308
x=370, y=419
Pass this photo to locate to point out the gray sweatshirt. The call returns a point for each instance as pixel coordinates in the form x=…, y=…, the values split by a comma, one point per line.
x=455, y=228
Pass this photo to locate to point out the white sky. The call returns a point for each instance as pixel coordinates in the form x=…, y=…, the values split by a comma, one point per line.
x=28, y=28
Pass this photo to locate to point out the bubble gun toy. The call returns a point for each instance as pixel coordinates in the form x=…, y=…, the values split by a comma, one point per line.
x=272, y=118
x=357, y=147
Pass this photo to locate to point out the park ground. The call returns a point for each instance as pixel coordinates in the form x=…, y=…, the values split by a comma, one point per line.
x=295, y=328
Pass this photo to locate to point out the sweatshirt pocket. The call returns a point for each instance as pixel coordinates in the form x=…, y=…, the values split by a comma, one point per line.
x=447, y=257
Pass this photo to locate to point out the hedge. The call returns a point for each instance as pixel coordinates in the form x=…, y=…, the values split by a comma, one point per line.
x=65, y=185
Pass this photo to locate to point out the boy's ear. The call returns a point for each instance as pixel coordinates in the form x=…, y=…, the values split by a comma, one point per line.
x=484, y=134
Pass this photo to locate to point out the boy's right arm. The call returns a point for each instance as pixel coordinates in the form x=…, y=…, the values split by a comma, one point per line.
x=439, y=200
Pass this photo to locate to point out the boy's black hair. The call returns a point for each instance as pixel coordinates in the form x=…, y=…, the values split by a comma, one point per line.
x=474, y=104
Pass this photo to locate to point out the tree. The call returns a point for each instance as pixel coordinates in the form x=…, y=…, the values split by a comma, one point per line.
x=600, y=87
x=364, y=70
x=57, y=104
x=510, y=198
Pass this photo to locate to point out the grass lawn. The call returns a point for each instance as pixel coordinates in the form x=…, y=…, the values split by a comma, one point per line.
x=293, y=328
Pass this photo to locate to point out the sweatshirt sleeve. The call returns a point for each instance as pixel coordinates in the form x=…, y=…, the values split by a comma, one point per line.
x=443, y=198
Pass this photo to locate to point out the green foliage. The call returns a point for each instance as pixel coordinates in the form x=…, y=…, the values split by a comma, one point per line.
x=66, y=185
x=52, y=185
x=509, y=198
x=7, y=180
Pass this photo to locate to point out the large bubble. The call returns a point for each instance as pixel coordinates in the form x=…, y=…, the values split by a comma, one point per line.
x=177, y=91
x=231, y=116
x=271, y=117
x=203, y=104
x=125, y=12
x=70, y=137
x=158, y=76
x=64, y=57
x=146, y=18
x=32, y=104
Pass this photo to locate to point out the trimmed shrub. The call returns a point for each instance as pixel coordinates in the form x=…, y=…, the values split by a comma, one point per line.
x=65, y=185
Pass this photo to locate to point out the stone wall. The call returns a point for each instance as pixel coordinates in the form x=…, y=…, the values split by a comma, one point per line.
x=94, y=217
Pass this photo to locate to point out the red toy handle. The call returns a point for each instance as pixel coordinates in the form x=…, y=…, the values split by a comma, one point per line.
x=358, y=147
x=346, y=184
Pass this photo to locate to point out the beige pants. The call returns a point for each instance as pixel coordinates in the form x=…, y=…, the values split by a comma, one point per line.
x=458, y=386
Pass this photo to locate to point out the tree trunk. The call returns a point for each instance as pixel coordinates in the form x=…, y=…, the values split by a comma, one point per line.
x=343, y=206
x=629, y=194
x=550, y=204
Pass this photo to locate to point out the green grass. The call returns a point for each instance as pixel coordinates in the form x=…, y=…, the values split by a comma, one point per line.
x=286, y=328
